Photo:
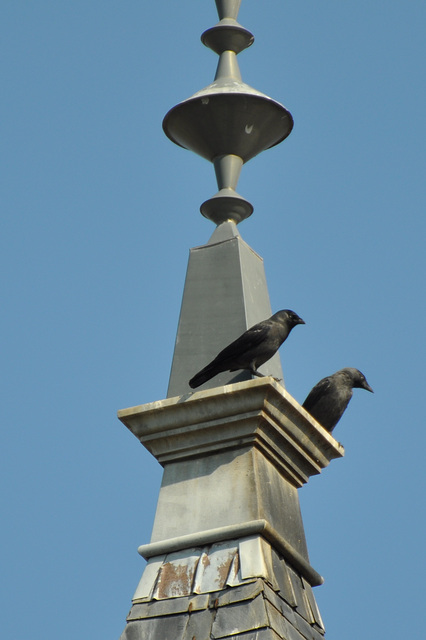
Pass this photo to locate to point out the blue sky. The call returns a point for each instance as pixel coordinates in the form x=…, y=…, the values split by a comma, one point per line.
x=99, y=210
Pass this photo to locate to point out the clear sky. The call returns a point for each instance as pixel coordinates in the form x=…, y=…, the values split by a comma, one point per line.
x=99, y=210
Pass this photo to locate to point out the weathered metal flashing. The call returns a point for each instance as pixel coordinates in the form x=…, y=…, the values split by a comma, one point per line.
x=225, y=576
x=238, y=531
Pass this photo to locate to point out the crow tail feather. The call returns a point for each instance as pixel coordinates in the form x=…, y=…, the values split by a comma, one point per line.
x=202, y=376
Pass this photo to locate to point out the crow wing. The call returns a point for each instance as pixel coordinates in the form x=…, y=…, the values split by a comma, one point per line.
x=248, y=341
x=317, y=393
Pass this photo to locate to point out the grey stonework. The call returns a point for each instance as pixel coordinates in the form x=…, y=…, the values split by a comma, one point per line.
x=228, y=556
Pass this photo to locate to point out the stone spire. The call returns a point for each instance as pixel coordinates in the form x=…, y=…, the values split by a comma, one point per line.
x=228, y=557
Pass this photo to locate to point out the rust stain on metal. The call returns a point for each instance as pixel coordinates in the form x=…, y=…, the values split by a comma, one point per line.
x=214, y=568
x=223, y=571
x=205, y=560
x=175, y=580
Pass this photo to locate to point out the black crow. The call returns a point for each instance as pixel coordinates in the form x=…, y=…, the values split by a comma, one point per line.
x=252, y=349
x=329, y=398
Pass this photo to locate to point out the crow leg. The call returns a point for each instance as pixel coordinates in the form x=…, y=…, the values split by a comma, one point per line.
x=257, y=373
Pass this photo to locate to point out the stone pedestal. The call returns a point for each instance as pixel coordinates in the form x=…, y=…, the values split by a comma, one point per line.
x=228, y=529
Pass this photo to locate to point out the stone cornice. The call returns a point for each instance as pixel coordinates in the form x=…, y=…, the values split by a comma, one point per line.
x=259, y=413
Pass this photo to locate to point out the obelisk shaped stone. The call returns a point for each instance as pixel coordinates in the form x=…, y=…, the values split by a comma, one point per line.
x=225, y=293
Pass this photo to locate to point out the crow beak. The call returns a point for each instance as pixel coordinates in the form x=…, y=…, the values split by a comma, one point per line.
x=367, y=387
x=300, y=321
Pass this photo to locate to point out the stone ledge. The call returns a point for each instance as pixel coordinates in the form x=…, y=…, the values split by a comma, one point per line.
x=258, y=413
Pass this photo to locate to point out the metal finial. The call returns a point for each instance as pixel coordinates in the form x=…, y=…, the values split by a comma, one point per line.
x=227, y=33
x=228, y=122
